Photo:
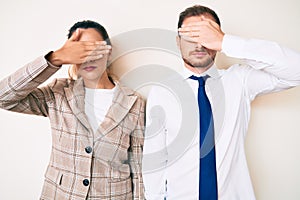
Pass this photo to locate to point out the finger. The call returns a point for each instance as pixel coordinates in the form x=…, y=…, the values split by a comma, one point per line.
x=95, y=44
x=189, y=39
x=75, y=35
x=211, y=22
x=189, y=33
x=101, y=42
x=92, y=58
x=194, y=28
x=97, y=52
x=89, y=43
x=196, y=23
x=95, y=47
x=206, y=22
x=104, y=47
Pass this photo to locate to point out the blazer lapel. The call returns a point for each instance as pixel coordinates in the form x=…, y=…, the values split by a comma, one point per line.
x=123, y=100
x=75, y=96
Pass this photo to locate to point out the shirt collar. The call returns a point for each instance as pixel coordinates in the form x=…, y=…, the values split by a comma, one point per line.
x=212, y=72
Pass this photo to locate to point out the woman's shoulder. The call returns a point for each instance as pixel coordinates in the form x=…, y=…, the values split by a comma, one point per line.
x=58, y=84
x=125, y=90
x=128, y=91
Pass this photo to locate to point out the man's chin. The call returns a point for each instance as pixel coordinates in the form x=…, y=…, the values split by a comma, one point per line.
x=198, y=64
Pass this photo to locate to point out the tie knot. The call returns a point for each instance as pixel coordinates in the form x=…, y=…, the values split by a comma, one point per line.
x=200, y=79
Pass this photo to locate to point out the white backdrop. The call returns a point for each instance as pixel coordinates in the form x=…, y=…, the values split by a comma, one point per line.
x=34, y=27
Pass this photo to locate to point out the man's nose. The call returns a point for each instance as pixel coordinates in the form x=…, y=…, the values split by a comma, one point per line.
x=199, y=46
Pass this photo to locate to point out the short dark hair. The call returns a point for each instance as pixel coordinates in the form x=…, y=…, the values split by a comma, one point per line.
x=197, y=10
x=90, y=24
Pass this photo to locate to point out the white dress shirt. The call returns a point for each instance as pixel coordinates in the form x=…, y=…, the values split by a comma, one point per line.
x=171, y=148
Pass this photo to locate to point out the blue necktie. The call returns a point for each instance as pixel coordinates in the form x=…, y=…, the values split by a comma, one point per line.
x=208, y=189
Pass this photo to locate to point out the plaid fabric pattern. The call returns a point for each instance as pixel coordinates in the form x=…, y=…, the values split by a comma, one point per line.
x=83, y=165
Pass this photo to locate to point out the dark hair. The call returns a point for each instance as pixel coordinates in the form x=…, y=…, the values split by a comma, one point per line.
x=197, y=10
x=85, y=25
x=90, y=24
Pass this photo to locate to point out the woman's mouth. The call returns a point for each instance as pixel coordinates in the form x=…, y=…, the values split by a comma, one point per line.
x=89, y=68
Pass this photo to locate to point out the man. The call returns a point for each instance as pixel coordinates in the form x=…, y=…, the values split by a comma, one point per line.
x=173, y=171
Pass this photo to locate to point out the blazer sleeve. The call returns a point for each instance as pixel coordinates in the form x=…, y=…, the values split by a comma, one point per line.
x=136, y=151
x=19, y=92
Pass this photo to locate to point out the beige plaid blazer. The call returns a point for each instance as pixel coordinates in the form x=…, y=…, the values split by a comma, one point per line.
x=104, y=165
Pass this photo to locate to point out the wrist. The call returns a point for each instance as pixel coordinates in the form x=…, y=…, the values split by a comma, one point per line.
x=53, y=58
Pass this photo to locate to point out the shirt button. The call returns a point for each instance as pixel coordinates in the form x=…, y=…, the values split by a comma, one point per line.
x=88, y=149
x=86, y=182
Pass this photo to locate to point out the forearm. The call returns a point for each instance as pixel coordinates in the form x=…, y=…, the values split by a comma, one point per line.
x=279, y=61
x=19, y=92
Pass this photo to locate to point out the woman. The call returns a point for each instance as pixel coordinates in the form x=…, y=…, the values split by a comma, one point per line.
x=97, y=124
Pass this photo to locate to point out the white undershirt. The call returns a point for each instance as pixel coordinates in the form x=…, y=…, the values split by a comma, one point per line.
x=97, y=103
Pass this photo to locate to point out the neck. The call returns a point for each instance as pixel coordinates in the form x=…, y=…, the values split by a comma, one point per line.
x=103, y=83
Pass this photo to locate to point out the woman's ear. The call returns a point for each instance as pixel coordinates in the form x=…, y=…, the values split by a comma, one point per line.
x=109, y=56
x=178, y=41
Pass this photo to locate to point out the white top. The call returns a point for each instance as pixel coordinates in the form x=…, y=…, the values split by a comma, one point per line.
x=171, y=148
x=97, y=103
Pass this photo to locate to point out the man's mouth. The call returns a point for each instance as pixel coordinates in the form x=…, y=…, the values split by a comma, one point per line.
x=199, y=53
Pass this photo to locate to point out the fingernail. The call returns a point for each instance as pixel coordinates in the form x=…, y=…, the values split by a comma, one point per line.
x=100, y=42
